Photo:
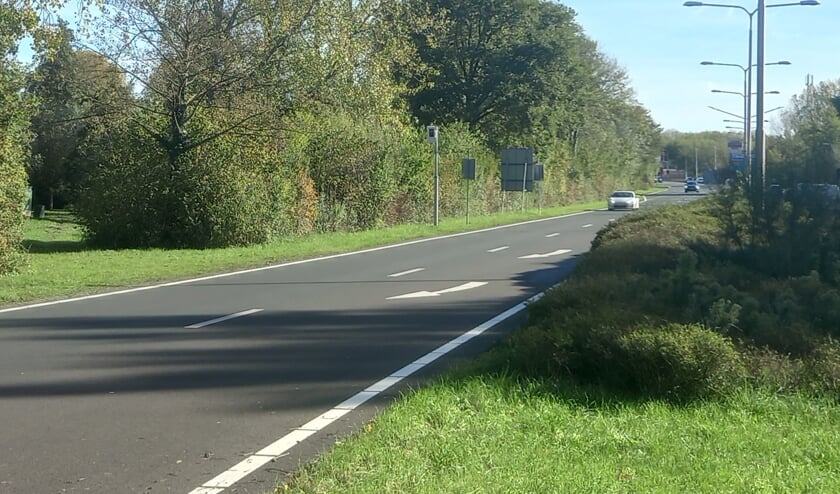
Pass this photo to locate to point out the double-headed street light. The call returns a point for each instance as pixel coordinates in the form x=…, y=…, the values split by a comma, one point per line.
x=747, y=97
x=761, y=11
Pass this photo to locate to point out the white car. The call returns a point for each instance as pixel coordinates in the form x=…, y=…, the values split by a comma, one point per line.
x=623, y=199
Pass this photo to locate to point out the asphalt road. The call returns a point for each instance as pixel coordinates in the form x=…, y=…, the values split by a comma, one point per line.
x=181, y=387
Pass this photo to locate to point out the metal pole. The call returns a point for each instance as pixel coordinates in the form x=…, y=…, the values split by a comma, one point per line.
x=437, y=183
x=469, y=183
x=695, y=162
x=759, y=100
x=524, y=180
x=748, y=104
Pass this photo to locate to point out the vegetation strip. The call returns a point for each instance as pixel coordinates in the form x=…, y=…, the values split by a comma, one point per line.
x=693, y=349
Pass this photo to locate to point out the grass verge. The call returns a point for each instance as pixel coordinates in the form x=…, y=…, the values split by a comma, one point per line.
x=498, y=434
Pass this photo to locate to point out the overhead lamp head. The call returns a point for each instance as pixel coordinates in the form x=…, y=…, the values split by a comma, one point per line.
x=693, y=4
x=810, y=3
x=707, y=63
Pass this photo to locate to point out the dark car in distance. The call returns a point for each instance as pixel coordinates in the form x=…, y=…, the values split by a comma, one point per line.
x=691, y=186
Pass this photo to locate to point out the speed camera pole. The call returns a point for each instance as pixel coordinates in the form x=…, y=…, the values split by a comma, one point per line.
x=432, y=133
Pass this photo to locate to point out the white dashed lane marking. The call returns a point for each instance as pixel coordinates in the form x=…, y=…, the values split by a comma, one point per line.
x=403, y=273
x=223, y=319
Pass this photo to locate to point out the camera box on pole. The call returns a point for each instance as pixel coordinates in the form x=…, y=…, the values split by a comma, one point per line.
x=518, y=169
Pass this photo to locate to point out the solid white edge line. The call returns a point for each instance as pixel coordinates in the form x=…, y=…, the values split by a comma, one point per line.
x=403, y=273
x=219, y=483
x=223, y=319
x=285, y=264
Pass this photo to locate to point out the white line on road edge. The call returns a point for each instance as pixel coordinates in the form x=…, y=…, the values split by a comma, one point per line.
x=222, y=319
x=499, y=249
x=254, y=462
x=285, y=264
x=410, y=271
x=550, y=235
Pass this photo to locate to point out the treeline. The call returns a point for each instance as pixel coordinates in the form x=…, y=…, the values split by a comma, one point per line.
x=806, y=148
x=206, y=123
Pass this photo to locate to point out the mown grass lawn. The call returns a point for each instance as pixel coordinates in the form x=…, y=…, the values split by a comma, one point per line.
x=496, y=434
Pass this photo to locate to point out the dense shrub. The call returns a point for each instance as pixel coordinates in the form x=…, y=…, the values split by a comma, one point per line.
x=212, y=196
x=13, y=153
x=822, y=371
x=678, y=361
x=667, y=304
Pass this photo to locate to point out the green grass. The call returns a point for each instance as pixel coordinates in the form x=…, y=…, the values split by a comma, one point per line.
x=61, y=265
x=486, y=434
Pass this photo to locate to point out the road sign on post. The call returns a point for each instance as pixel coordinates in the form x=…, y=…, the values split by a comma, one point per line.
x=518, y=169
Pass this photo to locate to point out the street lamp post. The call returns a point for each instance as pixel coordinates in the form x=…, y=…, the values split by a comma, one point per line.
x=747, y=97
x=760, y=10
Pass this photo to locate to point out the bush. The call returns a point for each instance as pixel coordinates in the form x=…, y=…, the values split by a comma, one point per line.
x=222, y=193
x=13, y=152
x=678, y=361
x=822, y=369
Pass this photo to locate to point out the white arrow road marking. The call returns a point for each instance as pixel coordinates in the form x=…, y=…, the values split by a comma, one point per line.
x=550, y=235
x=499, y=249
x=547, y=254
x=222, y=319
x=403, y=273
x=588, y=225
x=459, y=288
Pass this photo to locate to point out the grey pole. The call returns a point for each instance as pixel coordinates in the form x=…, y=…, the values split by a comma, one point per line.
x=759, y=101
x=437, y=182
x=748, y=111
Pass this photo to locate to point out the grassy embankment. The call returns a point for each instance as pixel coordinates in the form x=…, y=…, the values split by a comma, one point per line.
x=642, y=373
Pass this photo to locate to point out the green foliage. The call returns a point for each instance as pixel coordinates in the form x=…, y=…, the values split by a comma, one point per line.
x=678, y=361
x=667, y=304
x=822, y=371
x=216, y=196
x=14, y=137
x=809, y=148
x=76, y=91
x=524, y=74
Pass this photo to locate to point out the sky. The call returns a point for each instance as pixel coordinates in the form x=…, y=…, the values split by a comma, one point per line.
x=660, y=43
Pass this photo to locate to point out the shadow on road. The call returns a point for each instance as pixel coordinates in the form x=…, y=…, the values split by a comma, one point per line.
x=284, y=349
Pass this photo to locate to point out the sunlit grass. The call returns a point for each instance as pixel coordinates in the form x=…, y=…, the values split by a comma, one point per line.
x=490, y=434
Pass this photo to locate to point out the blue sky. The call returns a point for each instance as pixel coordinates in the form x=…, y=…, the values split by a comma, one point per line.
x=660, y=43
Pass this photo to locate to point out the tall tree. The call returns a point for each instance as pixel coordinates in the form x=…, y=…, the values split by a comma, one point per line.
x=491, y=62
x=75, y=91
x=809, y=150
